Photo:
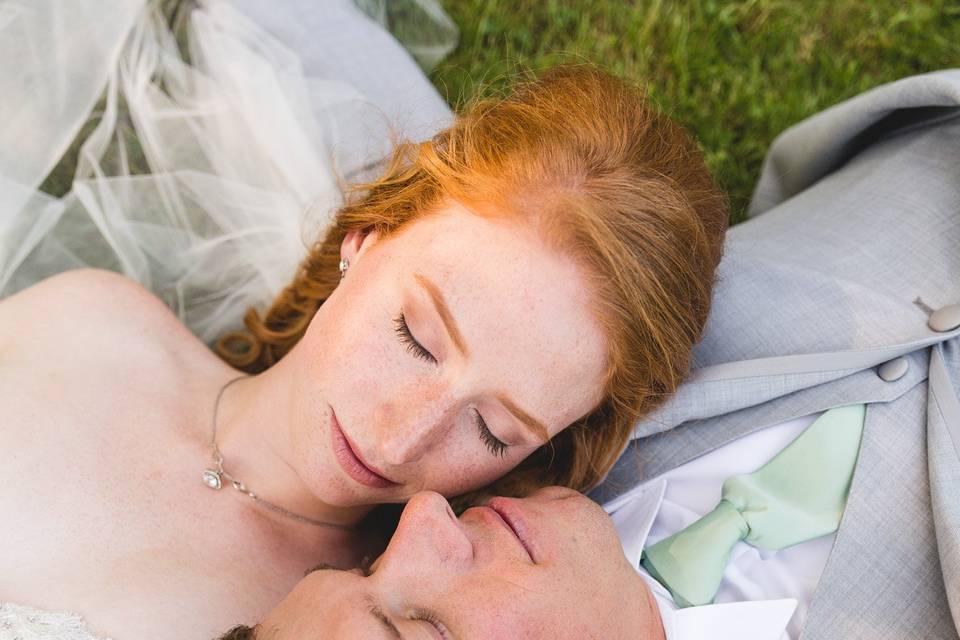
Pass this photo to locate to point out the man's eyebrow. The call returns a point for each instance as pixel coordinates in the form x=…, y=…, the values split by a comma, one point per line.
x=534, y=425
x=382, y=618
x=444, y=311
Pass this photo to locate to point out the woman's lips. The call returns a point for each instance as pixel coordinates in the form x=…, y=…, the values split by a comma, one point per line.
x=350, y=460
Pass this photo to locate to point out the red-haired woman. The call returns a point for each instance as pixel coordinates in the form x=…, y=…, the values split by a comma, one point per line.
x=491, y=313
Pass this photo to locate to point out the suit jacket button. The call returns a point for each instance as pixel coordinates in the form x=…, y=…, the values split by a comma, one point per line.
x=894, y=369
x=945, y=318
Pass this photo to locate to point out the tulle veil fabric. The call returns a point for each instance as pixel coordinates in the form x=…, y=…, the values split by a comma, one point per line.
x=216, y=141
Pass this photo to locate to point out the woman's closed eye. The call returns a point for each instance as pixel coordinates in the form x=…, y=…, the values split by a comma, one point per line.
x=406, y=337
x=495, y=445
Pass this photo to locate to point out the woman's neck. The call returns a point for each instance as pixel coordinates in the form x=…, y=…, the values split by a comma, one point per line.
x=254, y=442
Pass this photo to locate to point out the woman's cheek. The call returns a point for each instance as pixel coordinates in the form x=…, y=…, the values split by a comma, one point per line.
x=472, y=469
x=369, y=362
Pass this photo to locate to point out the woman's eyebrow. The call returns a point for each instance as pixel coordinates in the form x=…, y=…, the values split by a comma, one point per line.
x=436, y=296
x=531, y=423
x=444, y=312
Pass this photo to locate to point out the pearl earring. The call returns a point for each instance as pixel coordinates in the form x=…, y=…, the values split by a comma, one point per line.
x=344, y=265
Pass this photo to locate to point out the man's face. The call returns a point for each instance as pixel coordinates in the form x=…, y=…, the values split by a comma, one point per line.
x=546, y=566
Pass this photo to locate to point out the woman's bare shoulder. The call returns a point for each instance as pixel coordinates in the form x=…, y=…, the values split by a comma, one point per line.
x=91, y=311
x=86, y=290
x=86, y=337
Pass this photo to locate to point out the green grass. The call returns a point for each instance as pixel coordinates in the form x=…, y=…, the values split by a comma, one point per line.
x=733, y=73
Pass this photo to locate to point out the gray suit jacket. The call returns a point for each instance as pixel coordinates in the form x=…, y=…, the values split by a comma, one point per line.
x=838, y=290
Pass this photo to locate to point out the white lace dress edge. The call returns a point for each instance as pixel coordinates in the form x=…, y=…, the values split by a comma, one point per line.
x=18, y=622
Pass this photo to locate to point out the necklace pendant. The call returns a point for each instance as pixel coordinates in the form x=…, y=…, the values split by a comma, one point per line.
x=211, y=478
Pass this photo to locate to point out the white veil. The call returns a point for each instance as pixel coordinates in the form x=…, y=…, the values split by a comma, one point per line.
x=204, y=176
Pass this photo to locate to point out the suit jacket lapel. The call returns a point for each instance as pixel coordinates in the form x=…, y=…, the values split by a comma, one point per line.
x=883, y=579
x=943, y=452
x=810, y=150
x=731, y=387
x=656, y=454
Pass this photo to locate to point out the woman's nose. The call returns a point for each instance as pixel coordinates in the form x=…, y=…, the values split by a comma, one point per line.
x=409, y=426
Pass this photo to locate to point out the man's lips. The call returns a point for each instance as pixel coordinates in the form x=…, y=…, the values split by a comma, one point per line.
x=351, y=462
x=513, y=520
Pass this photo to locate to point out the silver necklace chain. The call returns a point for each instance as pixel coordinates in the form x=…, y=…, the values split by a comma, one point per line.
x=214, y=477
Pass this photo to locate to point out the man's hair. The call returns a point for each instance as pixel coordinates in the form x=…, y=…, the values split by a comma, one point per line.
x=240, y=632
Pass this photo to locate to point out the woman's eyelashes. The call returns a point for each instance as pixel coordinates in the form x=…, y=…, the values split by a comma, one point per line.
x=406, y=337
x=495, y=445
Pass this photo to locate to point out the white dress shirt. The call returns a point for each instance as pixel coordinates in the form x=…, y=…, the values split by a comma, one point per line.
x=764, y=595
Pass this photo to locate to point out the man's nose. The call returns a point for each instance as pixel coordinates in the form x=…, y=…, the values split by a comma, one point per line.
x=408, y=426
x=429, y=533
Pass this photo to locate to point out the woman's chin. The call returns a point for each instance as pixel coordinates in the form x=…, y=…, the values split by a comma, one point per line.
x=336, y=489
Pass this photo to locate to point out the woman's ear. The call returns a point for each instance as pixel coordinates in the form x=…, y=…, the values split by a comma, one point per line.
x=356, y=242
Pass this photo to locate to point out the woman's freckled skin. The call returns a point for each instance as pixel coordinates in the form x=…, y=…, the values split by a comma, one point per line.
x=413, y=420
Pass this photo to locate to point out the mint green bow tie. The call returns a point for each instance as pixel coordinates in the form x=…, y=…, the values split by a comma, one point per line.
x=797, y=496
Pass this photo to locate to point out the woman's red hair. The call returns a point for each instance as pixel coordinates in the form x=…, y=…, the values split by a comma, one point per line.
x=611, y=181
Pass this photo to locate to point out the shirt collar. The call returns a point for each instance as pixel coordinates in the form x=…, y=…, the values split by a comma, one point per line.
x=633, y=514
